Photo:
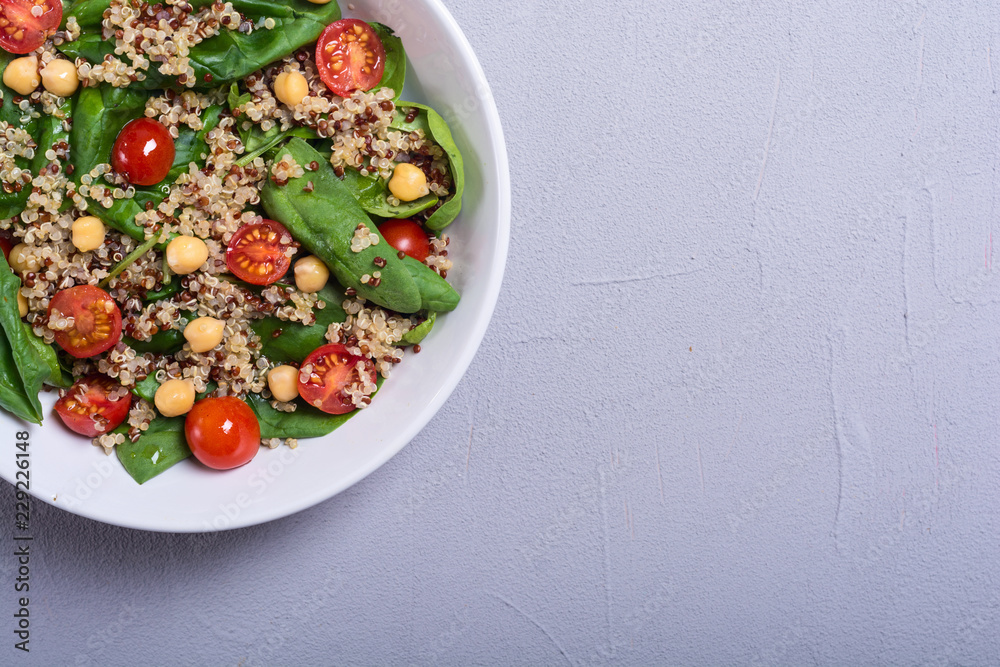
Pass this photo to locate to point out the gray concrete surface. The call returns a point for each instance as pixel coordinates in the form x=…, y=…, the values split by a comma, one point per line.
x=738, y=404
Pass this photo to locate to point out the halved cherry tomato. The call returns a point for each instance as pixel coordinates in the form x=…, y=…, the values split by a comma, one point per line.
x=223, y=432
x=258, y=253
x=406, y=236
x=97, y=322
x=143, y=152
x=331, y=372
x=94, y=405
x=350, y=57
x=23, y=28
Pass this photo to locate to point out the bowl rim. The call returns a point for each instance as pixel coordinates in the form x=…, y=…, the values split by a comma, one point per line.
x=487, y=306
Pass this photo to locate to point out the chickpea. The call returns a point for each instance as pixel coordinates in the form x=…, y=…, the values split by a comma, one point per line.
x=22, y=75
x=408, y=182
x=290, y=88
x=283, y=381
x=21, y=260
x=22, y=304
x=186, y=254
x=59, y=77
x=174, y=398
x=204, y=333
x=88, y=233
x=311, y=274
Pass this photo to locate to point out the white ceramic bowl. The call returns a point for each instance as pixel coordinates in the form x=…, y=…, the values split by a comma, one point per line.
x=68, y=472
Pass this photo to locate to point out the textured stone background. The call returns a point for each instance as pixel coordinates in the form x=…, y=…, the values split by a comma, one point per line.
x=737, y=405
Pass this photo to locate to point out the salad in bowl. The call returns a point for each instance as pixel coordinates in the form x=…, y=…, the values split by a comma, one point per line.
x=222, y=227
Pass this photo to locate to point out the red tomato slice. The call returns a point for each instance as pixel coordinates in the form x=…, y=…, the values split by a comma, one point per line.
x=23, y=28
x=223, y=432
x=332, y=371
x=97, y=322
x=406, y=236
x=143, y=152
x=258, y=253
x=350, y=57
x=94, y=405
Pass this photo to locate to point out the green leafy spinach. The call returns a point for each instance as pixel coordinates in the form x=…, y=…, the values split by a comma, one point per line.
x=373, y=196
x=305, y=422
x=226, y=57
x=322, y=214
x=417, y=334
x=282, y=342
x=168, y=341
x=160, y=447
x=394, y=75
x=31, y=368
x=100, y=115
x=13, y=203
x=435, y=127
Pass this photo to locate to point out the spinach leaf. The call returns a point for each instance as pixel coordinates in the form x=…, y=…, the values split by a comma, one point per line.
x=394, y=75
x=146, y=389
x=9, y=112
x=47, y=353
x=189, y=146
x=230, y=55
x=100, y=115
x=88, y=13
x=257, y=141
x=234, y=99
x=305, y=422
x=435, y=292
x=282, y=342
x=13, y=398
x=168, y=291
x=158, y=448
x=163, y=342
x=13, y=203
x=324, y=221
x=53, y=130
x=372, y=194
x=436, y=128
x=31, y=367
x=417, y=334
